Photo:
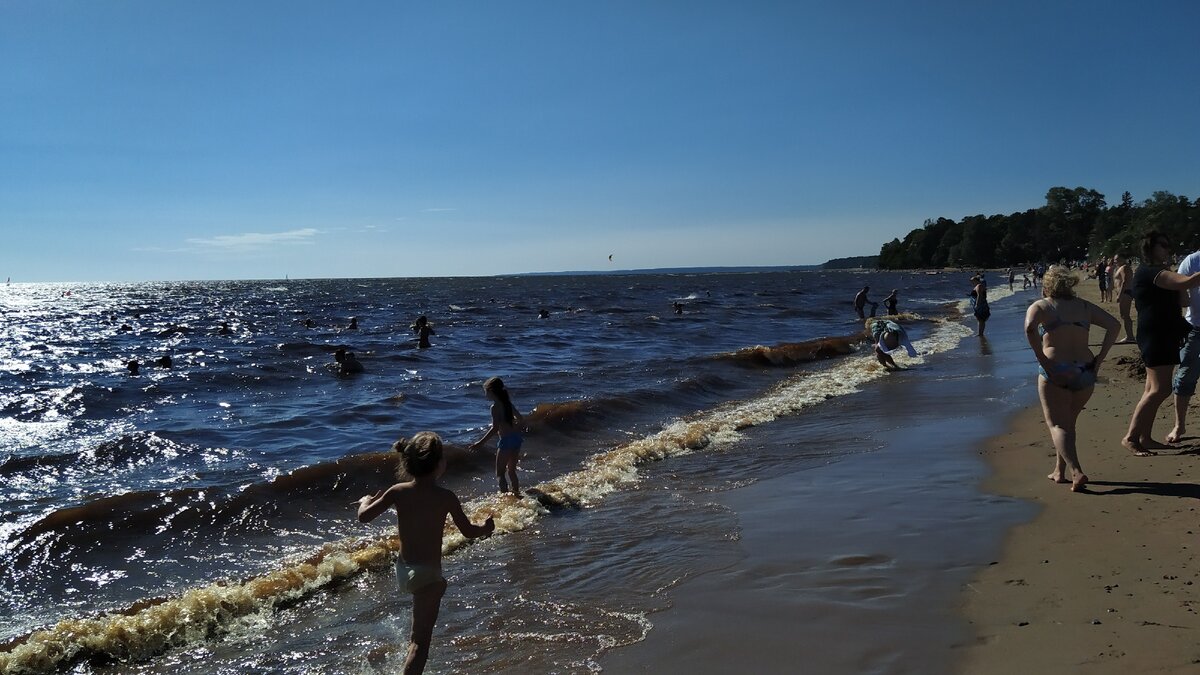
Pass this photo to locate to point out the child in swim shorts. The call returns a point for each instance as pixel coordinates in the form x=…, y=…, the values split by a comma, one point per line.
x=421, y=509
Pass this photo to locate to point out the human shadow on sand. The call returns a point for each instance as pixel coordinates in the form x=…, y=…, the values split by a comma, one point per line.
x=1184, y=490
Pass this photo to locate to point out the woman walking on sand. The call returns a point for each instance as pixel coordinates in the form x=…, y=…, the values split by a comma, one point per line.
x=1057, y=329
x=1161, y=329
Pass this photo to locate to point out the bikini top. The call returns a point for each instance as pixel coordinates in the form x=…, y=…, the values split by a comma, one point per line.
x=1057, y=321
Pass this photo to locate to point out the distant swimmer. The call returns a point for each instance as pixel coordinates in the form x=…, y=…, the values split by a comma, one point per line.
x=348, y=364
x=889, y=303
x=543, y=314
x=505, y=422
x=888, y=336
x=423, y=330
x=132, y=365
x=678, y=307
x=308, y=323
x=421, y=509
x=353, y=323
x=225, y=329
x=125, y=328
x=165, y=362
x=861, y=301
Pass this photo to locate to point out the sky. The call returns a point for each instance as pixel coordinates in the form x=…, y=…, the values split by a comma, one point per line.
x=150, y=140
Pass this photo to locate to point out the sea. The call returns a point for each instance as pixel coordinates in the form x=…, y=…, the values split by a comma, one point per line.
x=201, y=518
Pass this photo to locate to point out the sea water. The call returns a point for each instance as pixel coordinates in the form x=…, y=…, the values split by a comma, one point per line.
x=201, y=518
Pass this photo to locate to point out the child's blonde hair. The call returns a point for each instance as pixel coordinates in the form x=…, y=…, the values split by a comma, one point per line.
x=421, y=454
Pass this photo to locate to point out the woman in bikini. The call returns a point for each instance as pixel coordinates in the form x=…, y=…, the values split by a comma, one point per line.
x=1057, y=329
x=505, y=421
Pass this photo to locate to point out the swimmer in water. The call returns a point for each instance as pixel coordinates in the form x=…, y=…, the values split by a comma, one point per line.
x=165, y=362
x=348, y=364
x=889, y=303
x=133, y=366
x=423, y=330
x=225, y=329
x=421, y=509
x=353, y=323
x=505, y=421
x=678, y=306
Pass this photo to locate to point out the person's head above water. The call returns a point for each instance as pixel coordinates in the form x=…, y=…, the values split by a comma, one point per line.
x=1059, y=282
x=420, y=455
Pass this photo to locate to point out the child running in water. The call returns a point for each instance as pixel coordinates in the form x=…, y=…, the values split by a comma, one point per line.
x=505, y=419
x=421, y=509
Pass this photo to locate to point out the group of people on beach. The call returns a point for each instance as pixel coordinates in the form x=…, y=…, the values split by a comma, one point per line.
x=422, y=506
x=1057, y=328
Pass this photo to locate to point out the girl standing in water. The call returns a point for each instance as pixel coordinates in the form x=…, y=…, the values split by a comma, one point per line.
x=505, y=420
x=979, y=299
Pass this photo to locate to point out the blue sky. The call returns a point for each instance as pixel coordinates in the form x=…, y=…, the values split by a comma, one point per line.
x=214, y=140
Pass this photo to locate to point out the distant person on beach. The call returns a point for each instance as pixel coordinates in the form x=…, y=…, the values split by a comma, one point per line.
x=1102, y=279
x=861, y=301
x=979, y=299
x=1012, y=277
x=505, y=422
x=888, y=336
x=889, y=303
x=1057, y=329
x=1184, y=384
x=423, y=330
x=1123, y=282
x=421, y=509
x=1160, y=332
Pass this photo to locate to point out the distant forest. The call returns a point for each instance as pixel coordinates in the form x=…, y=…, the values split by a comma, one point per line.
x=1073, y=225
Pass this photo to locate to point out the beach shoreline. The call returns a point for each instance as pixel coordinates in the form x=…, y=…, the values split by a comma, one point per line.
x=1098, y=582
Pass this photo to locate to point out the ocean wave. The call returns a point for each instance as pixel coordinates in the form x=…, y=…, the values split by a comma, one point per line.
x=791, y=354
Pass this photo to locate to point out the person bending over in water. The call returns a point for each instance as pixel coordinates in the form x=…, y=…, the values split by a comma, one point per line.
x=421, y=509
x=861, y=300
x=1057, y=329
x=423, y=330
x=888, y=337
x=505, y=420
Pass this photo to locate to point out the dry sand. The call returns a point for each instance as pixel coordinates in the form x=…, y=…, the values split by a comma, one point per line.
x=1099, y=582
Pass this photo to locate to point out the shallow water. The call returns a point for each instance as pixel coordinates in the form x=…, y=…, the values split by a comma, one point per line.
x=211, y=501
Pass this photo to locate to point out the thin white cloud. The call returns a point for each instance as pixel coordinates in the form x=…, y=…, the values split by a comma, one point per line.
x=251, y=241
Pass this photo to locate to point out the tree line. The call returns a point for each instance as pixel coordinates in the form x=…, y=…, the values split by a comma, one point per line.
x=1074, y=224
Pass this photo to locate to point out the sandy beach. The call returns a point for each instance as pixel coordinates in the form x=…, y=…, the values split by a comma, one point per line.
x=1100, y=582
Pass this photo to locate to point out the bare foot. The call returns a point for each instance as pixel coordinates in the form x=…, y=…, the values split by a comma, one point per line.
x=1176, y=434
x=1136, y=448
x=1078, y=484
x=1058, y=477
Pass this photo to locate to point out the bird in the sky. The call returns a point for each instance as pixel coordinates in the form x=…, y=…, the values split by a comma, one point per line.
x=609, y=257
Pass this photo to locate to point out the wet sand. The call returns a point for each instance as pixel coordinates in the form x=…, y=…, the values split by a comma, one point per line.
x=1100, y=582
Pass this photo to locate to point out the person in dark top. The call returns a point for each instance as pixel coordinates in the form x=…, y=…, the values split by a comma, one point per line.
x=1160, y=331
x=889, y=303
